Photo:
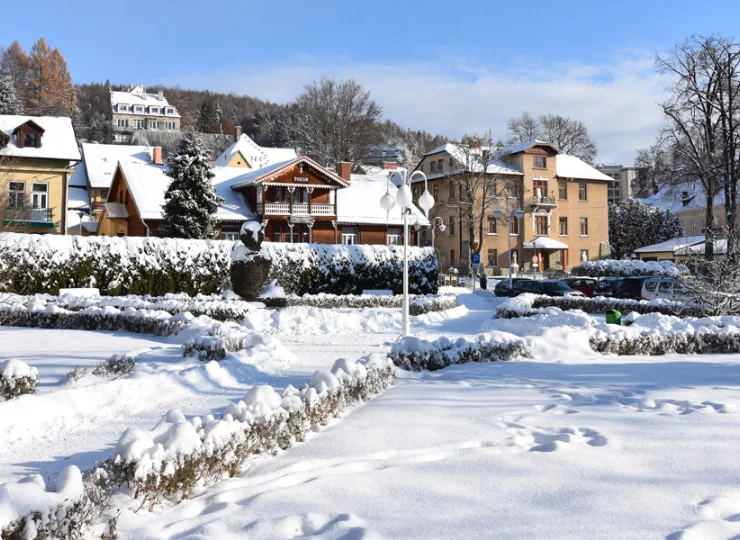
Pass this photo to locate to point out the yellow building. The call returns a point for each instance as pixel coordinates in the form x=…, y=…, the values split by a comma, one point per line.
x=563, y=201
x=36, y=159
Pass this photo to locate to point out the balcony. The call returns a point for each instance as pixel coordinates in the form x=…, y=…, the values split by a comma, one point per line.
x=30, y=217
x=543, y=201
x=299, y=209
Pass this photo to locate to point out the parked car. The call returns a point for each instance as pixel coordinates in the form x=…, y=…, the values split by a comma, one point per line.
x=503, y=287
x=549, y=287
x=630, y=287
x=586, y=285
x=665, y=288
x=607, y=286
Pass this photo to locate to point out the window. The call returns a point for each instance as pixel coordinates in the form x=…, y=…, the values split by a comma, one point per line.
x=433, y=167
x=30, y=140
x=451, y=226
x=153, y=124
x=651, y=286
x=492, y=225
x=584, y=254
x=451, y=193
x=540, y=223
x=514, y=226
x=395, y=237
x=139, y=108
x=582, y=193
x=350, y=235
x=540, y=162
x=16, y=195
x=435, y=193
x=169, y=125
x=122, y=122
x=452, y=257
x=122, y=107
x=665, y=287
x=40, y=196
x=440, y=165
x=492, y=257
x=584, y=226
x=563, y=226
x=138, y=124
x=563, y=190
x=153, y=110
x=170, y=110
x=230, y=232
x=511, y=190
x=540, y=188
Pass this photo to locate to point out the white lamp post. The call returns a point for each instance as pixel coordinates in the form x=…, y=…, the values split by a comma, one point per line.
x=437, y=223
x=518, y=215
x=404, y=199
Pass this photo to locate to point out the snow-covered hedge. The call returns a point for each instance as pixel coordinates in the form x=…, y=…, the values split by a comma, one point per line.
x=17, y=378
x=343, y=269
x=415, y=354
x=73, y=506
x=45, y=263
x=617, y=268
x=418, y=305
x=142, y=321
x=115, y=367
x=224, y=338
x=527, y=305
x=178, y=454
x=657, y=334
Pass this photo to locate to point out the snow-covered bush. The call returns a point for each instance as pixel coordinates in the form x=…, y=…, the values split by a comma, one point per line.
x=224, y=338
x=142, y=321
x=617, y=268
x=73, y=506
x=415, y=354
x=527, y=305
x=45, y=263
x=427, y=304
x=118, y=365
x=179, y=454
x=17, y=378
x=417, y=306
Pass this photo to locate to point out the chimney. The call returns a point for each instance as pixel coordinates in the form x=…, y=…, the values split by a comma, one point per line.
x=157, y=155
x=344, y=169
x=237, y=133
x=161, y=95
x=390, y=165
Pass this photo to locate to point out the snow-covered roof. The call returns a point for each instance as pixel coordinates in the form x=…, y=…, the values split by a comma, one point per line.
x=138, y=96
x=572, y=167
x=256, y=156
x=720, y=246
x=544, y=242
x=100, y=160
x=672, y=197
x=461, y=155
x=57, y=142
x=148, y=184
x=360, y=203
x=78, y=178
x=78, y=197
x=526, y=145
x=259, y=175
x=670, y=246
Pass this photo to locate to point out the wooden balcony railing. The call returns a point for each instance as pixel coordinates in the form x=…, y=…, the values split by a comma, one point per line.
x=299, y=209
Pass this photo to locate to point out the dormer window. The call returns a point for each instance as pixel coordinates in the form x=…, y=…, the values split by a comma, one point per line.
x=122, y=108
x=139, y=108
x=30, y=140
x=28, y=135
x=153, y=110
x=170, y=110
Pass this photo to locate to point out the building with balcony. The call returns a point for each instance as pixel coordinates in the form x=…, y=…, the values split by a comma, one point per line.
x=37, y=156
x=620, y=187
x=564, y=201
x=138, y=110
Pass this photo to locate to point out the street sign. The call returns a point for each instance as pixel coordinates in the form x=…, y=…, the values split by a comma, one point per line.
x=535, y=260
x=475, y=258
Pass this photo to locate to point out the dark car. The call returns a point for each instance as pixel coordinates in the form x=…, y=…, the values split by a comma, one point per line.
x=503, y=287
x=586, y=285
x=630, y=287
x=548, y=287
x=607, y=286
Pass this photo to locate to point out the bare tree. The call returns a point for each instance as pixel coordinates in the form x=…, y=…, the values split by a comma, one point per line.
x=570, y=135
x=716, y=288
x=333, y=121
x=653, y=169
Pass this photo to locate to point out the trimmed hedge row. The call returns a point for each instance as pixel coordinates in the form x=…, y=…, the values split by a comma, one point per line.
x=205, y=450
x=417, y=306
x=618, y=268
x=32, y=264
x=414, y=354
x=660, y=343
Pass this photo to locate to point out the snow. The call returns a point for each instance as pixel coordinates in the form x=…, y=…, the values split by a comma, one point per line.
x=274, y=169
x=57, y=142
x=272, y=290
x=360, y=203
x=545, y=243
x=99, y=161
x=252, y=227
x=467, y=158
x=572, y=167
x=78, y=198
x=521, y=147
x=13, y=369
x=255, y=155
x=139, y=96
x=671, y=198
x=672, y=245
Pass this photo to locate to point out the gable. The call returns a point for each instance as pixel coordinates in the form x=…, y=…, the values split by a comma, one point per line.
x=301, y=174
x=238, y=160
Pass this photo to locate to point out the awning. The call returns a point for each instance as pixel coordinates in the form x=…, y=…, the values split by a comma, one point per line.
x=116, y=210
x=544, y=242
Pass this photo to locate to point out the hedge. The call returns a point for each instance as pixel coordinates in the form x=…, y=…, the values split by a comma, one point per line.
x=31, y=264
x=17, y=378
x=658, y=343
x=618, y=268
x=415, y=354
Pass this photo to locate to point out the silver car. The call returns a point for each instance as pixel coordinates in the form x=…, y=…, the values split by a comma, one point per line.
x=664, y=288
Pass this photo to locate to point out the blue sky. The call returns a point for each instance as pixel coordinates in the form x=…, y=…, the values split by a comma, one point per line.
x=443, y=66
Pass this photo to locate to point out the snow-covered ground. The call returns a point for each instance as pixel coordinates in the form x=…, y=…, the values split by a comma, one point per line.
x=571, y=444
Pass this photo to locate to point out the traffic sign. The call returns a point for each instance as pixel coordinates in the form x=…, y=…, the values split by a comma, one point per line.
x=475, y=258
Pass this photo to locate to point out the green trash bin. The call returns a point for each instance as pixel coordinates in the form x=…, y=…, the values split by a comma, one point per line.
x=613, y=317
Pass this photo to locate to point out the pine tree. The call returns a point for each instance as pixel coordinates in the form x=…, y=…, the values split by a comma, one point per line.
x=50, y=90
x=208, y=120
x=633, y=225
x=9, y=102
x=14, y=64
x=191, y=200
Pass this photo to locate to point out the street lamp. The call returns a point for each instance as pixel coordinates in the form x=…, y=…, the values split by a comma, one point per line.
x=404, y=199
x=437, y=223
x=518, y=215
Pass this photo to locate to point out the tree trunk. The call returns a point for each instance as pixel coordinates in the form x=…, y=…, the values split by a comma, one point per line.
x=708, y=229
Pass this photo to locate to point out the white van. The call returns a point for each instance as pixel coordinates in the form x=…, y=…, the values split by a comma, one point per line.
x=664, y=288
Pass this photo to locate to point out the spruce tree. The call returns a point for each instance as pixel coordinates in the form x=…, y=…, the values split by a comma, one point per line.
x=191, y=200
x=9, y=102
x=633, y=225
x=207, y=120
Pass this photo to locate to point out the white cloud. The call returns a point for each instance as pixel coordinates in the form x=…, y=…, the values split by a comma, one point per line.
x=618, y=101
